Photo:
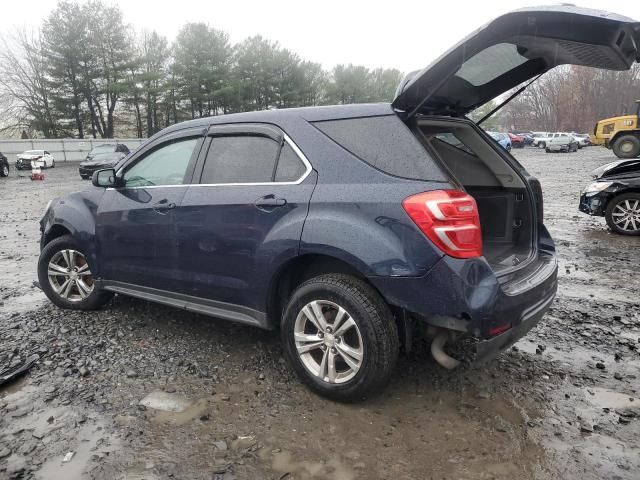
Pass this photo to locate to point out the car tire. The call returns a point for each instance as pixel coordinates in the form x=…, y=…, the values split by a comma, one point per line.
x=53, y=164
x=626, y=146
x=360, y=354
x=81, y=292
x=542, y=145
x=547, y=150
x=4, y=170
x=621, y=208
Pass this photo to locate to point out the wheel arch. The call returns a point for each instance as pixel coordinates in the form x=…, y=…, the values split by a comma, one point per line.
x=309, y=265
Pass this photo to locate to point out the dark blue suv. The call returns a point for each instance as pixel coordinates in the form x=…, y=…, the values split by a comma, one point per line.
x=349, y=228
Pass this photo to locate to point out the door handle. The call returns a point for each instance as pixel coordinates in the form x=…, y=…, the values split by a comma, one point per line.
x=269, y=202
x=164, y=206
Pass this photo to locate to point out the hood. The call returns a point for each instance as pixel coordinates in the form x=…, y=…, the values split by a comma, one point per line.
x=629, y=167
x=514, y=48
x=103, y=159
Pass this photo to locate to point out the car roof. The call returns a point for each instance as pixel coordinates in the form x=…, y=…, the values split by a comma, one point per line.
x=309, y=114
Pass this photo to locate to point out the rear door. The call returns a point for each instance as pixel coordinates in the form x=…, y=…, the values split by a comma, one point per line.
x=244, y=213
x=514, y=48
x=135, y=226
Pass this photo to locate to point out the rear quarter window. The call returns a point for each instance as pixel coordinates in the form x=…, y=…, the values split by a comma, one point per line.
x=386, y=144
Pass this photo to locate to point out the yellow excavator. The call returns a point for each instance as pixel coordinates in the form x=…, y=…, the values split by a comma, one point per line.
x=620, y=134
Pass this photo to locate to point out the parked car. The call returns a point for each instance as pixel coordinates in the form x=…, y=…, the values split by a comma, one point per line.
x=538, y=137
x=582, y=139
x=561, y=142
x=517, y=141
x=502, y=138
x=41, y=158
x=4, y=166
x=349, y=228
x=528, y=138
x=107, y=148
x=99, y=161
x=615, y=194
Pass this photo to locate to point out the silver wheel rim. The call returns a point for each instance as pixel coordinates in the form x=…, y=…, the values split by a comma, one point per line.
x=626, y=147
x=328, y=341
x=626, y=215
x=5, y=170
x=69, y=275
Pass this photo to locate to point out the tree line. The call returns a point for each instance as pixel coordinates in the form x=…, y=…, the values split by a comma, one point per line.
x=87, y=73
x=573, y=98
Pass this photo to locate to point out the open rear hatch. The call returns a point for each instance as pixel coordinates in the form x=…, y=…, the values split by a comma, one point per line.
x=514, y=48
x=507, y=52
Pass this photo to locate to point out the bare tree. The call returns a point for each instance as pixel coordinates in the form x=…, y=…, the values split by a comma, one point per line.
x=24, y=88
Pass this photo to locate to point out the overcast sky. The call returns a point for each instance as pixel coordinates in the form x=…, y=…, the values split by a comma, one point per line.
x=403, y=34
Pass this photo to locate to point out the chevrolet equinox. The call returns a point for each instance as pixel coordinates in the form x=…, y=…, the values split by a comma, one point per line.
x=348, y=228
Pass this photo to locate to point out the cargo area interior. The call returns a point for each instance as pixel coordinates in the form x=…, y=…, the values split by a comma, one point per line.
x=505, y=209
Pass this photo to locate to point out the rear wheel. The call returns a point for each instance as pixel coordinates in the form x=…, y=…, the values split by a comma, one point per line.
x=340, y=337
x=4, y=170
x=65, y=276
x=53, y=164
x=626, y=146
x=623, y=214
x=547, y=150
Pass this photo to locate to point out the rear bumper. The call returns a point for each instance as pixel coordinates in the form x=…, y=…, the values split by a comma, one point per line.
x=487, y=349
x=467, y=297
x=557, y=148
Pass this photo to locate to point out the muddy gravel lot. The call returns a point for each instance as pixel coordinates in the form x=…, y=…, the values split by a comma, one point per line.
x=141, y=391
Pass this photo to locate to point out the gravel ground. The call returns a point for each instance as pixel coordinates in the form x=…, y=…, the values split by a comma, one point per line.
x=563, y=403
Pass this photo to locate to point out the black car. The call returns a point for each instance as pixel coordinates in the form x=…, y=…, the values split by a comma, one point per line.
x=349, y=228
x=107, y=148
x=99, y=161
x=615, y=194
x=4, y=166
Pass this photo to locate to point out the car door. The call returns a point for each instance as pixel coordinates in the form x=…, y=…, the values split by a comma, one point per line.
x=135, y=229
x=243, y=214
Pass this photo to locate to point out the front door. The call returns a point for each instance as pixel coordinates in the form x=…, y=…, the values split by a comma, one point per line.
x=243, y=214
x=135, y=228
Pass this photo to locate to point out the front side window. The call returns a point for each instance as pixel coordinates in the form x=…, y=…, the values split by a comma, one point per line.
x=240, y=159
x=165, y=165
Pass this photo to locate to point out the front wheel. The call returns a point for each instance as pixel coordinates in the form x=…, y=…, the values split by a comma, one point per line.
x=340, y=337
x=547, y=150
x=4, y=170
x=65, y=276
x=542, y=145
x=623, y=214
x=626, y=146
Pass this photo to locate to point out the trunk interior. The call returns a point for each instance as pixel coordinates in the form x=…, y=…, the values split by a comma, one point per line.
x=506, y=215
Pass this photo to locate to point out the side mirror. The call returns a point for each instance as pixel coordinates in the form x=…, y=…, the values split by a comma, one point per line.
x=104, y=178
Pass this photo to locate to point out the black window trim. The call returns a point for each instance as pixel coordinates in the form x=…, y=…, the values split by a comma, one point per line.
x=254, y=130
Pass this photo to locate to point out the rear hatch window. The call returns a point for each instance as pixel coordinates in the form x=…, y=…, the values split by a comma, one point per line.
x=386, y=144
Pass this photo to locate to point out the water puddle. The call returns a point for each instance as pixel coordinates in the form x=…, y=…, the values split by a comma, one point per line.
x=90, y=442
x=604, y=398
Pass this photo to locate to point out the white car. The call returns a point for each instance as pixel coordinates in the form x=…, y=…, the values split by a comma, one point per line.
x=40, y=158
x=537, y=136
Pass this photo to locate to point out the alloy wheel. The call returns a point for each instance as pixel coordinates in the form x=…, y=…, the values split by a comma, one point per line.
x=626, y=215
x=69, y=275
x=5, y=171
x=328, y=341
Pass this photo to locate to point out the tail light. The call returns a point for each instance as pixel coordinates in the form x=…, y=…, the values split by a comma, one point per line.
x=449, y=218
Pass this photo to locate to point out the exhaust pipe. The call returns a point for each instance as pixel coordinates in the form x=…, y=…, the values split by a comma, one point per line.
x=437, y=350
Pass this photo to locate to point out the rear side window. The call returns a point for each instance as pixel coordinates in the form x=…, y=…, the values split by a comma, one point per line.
x=240, y=159
x=290, y=167
x=384, y=143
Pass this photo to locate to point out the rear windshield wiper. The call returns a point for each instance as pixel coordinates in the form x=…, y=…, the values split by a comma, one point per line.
x=511, y=97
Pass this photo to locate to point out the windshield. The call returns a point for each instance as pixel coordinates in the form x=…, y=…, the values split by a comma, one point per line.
x=34, y=152
x=102, y=149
